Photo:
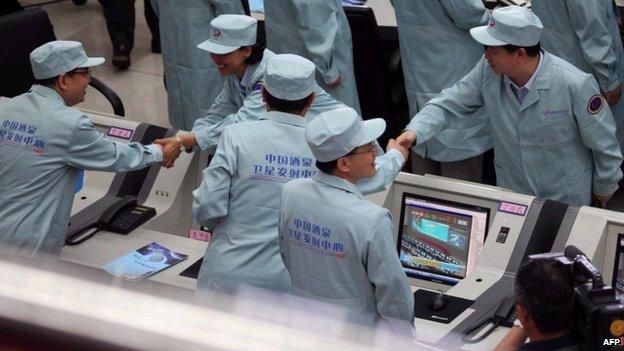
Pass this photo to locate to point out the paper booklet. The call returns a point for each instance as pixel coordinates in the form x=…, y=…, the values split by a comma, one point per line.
x=149, y=259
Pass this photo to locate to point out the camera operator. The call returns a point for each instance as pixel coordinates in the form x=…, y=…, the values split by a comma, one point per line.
x=544, y=300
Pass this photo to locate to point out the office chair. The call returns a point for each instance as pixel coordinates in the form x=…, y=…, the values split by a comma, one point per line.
x=20, y=33
x=378, y=74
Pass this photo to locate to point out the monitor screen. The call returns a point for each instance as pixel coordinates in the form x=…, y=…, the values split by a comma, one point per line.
x=440, y=240
x=618, y=267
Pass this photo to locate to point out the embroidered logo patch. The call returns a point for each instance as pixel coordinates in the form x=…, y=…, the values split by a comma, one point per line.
x=216, y=33
x=595, y=104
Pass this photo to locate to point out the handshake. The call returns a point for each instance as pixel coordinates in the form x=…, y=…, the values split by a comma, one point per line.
x=172, y=147
x=406, y=139
x=403, y=143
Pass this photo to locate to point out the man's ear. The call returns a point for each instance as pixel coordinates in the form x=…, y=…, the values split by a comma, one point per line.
x=522, y=313
x=343, y=165
x=522, y=53
x=309, y=102
x=62, y=82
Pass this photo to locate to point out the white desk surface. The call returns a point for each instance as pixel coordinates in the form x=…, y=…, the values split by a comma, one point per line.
x=105, y=247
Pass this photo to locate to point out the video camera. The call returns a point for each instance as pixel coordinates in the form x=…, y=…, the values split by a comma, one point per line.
x=598, y=316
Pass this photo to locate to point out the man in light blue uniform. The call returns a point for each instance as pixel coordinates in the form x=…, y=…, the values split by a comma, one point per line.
x=442, y=28
x=554, y=136
x=338, y=247
x=232, y=47
x=239, y=196
x=319, y=31
x=43, y=145
x=577, y=31
x=192, y=79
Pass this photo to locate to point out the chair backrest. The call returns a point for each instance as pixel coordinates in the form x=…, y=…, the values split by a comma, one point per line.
x=368, y=59
x=370, y=64
x=8, y=6
x=20, y=33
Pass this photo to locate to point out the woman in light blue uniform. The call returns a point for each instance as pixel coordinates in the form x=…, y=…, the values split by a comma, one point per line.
x=319, y=31
x=232, y=45
x=192, y=79
x=44, y=143
x=437, y=50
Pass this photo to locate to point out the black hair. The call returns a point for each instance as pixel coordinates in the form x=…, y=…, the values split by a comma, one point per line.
x=48, y=82
x=531, y=51
x=327, y=167
x=545, y=288
x=287, y=106
x=257, y=53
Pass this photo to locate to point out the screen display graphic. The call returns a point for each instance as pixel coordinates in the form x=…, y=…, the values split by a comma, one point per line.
x=440, y=240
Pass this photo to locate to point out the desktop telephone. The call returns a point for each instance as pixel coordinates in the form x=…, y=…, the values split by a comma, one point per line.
x=505, y=315
x=122, y=217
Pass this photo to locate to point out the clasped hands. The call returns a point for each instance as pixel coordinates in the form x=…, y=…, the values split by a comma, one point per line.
x=173, y=146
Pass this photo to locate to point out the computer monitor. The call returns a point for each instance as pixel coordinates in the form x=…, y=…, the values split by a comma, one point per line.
x=440, y=240
x=618, y=267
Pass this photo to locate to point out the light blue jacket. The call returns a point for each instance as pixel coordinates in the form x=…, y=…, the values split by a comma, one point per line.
x=43, y=145
x=319, y=31
x=340, y=248
x=550, y=146
x=239, y=199
x=192, y=78
x=437, y=51
x=575, y=31
x=608, y=12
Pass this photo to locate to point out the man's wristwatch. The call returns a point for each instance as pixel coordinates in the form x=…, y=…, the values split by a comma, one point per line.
x=182, y=148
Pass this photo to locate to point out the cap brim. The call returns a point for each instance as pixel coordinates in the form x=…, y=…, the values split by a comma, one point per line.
x=373, y=128
x=482, y=35
x=216, y=48
x=92, y=61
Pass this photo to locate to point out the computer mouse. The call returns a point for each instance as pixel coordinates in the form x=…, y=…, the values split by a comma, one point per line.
x=438, y=302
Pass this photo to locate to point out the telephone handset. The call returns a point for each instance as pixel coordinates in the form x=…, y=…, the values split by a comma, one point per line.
x=505, y=316
x=122, y=217
x=506, y=312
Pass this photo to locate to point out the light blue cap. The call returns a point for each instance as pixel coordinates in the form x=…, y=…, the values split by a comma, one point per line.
x=289, y=77
x=58, y=57
x=230, y=32
x=513, y=25
x=334, y=134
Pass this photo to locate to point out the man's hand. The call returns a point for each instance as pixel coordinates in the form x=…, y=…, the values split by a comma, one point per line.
x=392, y=144
x=335, y=83
x=407, y=139
x=171, y=150
x=602, y=200
x=514, y=338
x=613, y=96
